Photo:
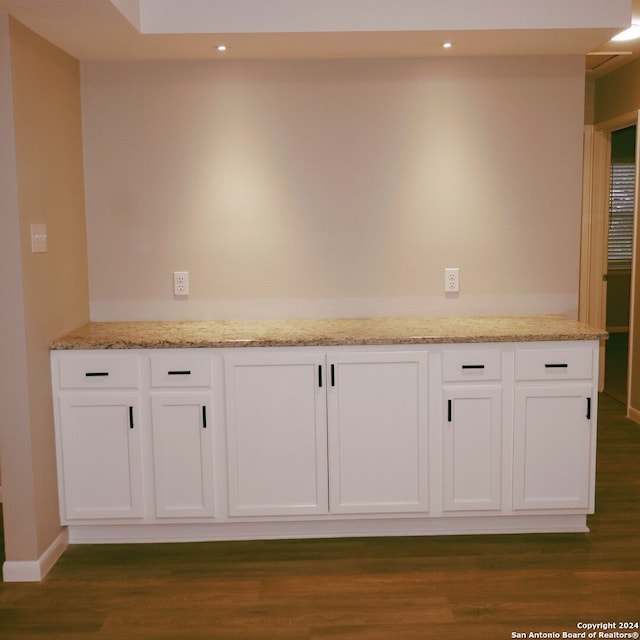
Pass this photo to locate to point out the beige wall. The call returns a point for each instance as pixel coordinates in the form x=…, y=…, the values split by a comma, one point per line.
x=333, y=187
x=42, y=182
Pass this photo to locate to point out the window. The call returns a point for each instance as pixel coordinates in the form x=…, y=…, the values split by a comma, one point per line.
x=621, y=201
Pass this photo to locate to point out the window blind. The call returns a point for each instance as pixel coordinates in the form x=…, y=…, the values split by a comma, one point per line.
x=621, y=202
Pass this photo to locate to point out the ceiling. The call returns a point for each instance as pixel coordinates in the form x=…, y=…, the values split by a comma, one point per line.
x=612, y=55
x=98, y=30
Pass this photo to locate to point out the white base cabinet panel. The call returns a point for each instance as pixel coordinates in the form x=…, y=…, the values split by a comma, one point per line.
x=101, y=456
x=378, y=433
x=472, y=447
x=276, y=435
x=554, y=428
x=553, y=445
x=182, y=455
x=260, y=442
x=323, y=434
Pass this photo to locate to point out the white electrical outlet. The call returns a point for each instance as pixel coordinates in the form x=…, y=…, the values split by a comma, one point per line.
x=452, y=280
x=180, y=283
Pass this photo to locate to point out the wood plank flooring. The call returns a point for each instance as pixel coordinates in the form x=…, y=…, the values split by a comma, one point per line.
x=467, y=587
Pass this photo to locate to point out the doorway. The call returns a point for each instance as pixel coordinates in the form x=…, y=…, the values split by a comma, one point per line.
x=619, y=260
x=594, y=267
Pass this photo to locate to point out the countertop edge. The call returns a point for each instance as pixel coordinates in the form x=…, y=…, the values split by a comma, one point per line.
x=85, y=338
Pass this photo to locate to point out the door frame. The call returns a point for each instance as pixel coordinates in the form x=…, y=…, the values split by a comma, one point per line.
x=595, y=218
x=594, y=236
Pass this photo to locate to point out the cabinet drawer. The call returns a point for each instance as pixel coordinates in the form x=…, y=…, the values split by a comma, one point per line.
x=554, y=364
x=180, y=370
x=464, y=365
x=99, y=371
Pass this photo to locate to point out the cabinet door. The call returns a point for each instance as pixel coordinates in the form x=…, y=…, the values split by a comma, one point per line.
x=182, y=454
x=277, y=435
x=472, y=441
x=378, y=434
x=101, y=456
x=554, y=433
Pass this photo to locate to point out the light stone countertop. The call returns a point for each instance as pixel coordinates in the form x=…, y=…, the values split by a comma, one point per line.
x=324, y=332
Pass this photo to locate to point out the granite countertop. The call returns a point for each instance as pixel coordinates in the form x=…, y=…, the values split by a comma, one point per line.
x=329, y=332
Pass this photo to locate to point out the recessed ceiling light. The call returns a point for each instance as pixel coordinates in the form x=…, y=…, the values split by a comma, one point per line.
x=631, y=33
x=448, y=45
x=222, y=47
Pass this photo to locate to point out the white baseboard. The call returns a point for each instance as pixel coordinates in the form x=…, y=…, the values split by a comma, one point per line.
x=36, y=570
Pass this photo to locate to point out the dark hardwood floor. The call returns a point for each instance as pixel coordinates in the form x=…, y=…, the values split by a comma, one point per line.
x=467, y=587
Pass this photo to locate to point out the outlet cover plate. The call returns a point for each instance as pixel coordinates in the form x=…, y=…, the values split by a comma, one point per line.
x=452, y=280
x=180, y=283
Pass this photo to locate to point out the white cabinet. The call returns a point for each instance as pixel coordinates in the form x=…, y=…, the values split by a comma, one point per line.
x=277, y=430
x=472, y=430
x=378, y=432
x=182, y=455
x=554, y=429
x=553, y=464
x=98, y=439
x=276, y=434
x=472, y=453
x=182, y=432
x=233, y=443
x=100, y=454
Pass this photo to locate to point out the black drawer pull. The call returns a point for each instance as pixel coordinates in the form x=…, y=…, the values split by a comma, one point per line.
x=179, y=373
x=96, y=374
x=588, y=408
x=448, y=410
x=130, y=417
x=559, y=365
x=320, y=375
x=204, y=417
x=333, y=375
x=473, y=366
